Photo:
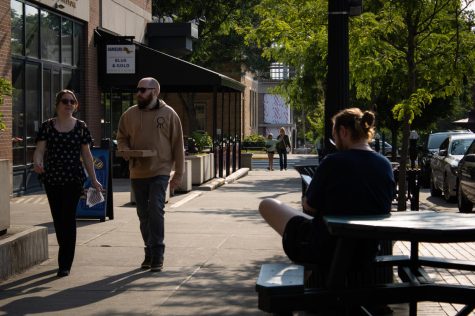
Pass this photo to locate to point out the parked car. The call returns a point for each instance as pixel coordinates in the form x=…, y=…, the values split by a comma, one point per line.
x=387, y=147
x=444, y=165
x=466, y=181
x=426, y=151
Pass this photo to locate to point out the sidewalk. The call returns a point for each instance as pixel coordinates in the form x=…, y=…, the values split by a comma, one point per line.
x=216, y=242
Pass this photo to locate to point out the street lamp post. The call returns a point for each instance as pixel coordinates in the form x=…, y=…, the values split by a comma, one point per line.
x=337, y=94
x=413, y=137
x=377, y=144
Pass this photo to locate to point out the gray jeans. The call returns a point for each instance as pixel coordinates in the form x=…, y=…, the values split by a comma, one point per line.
x=150, y=200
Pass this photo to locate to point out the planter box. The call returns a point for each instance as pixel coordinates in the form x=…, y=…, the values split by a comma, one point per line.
x=197, y=169
x=208, y=170
x=246, y=160
x=6, y=176
x=185, y=185
x=202, y=168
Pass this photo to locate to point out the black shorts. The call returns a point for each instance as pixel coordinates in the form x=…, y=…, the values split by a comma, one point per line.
x=301, y=240
x=308, y=241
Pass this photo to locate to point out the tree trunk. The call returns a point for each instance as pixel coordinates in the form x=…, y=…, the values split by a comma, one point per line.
x=401, y=203
x=411, y=87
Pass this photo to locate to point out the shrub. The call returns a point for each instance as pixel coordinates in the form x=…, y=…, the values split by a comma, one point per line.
x=254, y=140
x=202, y=140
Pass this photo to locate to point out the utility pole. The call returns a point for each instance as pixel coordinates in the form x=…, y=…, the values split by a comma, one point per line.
x=338, y=89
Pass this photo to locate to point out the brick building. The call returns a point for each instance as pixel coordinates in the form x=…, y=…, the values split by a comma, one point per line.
x=49, y=45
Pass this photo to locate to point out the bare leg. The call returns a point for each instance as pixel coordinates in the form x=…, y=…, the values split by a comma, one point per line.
x=278, y=214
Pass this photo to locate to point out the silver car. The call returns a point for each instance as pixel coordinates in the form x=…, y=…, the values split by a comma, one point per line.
x=444, y=165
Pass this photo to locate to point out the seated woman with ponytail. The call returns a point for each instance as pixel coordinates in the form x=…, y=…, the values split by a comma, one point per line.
x=355, y=180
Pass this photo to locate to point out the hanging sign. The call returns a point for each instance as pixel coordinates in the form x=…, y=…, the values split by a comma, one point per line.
x=120, y=59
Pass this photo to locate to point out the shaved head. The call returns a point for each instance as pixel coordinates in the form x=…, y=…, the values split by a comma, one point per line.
x=148, y=90
x=150, y=82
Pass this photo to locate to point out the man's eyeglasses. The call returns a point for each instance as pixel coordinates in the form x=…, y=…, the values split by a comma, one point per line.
x=142, y=90
x=68, y=101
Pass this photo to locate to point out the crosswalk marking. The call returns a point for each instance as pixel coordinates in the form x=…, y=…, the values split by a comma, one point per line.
x=42, y=199
x=263, y=163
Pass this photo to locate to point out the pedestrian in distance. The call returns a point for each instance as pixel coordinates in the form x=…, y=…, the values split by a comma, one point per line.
x=355, y=180
x=270, y=149
x=283, y=147
x=152, y=125
x=60, y=143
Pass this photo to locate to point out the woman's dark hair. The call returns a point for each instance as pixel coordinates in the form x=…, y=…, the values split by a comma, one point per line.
x=60, y=95
x=360, y=124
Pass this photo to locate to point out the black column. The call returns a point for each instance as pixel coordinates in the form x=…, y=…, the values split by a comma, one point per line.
x=337, y=95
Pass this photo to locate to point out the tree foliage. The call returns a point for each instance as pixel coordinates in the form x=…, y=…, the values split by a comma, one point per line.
x=407, y=57
x=218, y=43
x=294, y=33
x=422, y=49
x=5, y=90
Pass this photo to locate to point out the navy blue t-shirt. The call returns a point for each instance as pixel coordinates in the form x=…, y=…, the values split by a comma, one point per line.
x=350, y=182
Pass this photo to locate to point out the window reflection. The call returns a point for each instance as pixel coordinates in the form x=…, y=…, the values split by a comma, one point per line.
x=67, y=79
x=18, y=133
x=32, y=105
x=50, y=36
x=77, y=41
x=17, y=27
x=67, y=42
x=32, y=34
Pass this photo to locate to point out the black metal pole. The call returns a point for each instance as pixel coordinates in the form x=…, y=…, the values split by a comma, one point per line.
x=215, y=126
x=337, y=94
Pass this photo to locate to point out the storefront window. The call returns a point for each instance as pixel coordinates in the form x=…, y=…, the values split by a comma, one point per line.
x=67, y=42
x=77, y=40
x=67, y=79
x=17, y=27
x=18, y=113
x=50, y=36
x=32, y=106
x=46, y=54
x=32, y=31
x=200, y=109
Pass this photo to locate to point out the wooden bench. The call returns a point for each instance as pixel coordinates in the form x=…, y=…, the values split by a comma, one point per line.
x=281, y=288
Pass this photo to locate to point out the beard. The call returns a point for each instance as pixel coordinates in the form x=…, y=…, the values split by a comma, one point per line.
x=147, y=102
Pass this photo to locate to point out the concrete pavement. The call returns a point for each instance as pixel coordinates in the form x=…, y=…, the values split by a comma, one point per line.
x=216, y=242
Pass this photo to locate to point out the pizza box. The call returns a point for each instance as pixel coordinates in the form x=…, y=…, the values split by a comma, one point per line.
x=138, y=153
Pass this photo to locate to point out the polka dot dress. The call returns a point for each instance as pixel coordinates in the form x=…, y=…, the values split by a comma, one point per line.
x=63, y=153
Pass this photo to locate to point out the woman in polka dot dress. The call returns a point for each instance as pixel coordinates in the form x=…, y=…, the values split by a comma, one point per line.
x=60, y=143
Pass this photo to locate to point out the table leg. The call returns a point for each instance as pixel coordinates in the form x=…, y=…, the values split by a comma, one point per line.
x=414, y=259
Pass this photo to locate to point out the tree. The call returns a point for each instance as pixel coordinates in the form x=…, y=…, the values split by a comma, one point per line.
x=219, y=44
x=294, y=33
x=420, y=50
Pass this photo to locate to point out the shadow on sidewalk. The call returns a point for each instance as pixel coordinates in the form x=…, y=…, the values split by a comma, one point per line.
x=66, y=299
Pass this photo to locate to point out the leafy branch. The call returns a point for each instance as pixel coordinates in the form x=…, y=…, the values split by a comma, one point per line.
x=5, y=90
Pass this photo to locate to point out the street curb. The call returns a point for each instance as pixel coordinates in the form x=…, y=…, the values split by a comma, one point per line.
x=24, y=248
x=237, y=175
x=216, y=183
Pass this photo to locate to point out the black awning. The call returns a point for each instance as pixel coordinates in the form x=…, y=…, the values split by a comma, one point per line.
x=174, y=74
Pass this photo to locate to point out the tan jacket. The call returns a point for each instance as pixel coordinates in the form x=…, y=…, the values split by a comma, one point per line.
x=156, y=129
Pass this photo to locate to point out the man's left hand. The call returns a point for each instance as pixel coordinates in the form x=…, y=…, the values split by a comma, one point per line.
x=174, y=183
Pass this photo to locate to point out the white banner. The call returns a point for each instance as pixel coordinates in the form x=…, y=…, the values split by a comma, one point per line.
x=120, y=59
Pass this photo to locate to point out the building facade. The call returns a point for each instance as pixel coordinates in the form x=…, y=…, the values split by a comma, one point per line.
x=49, y=45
